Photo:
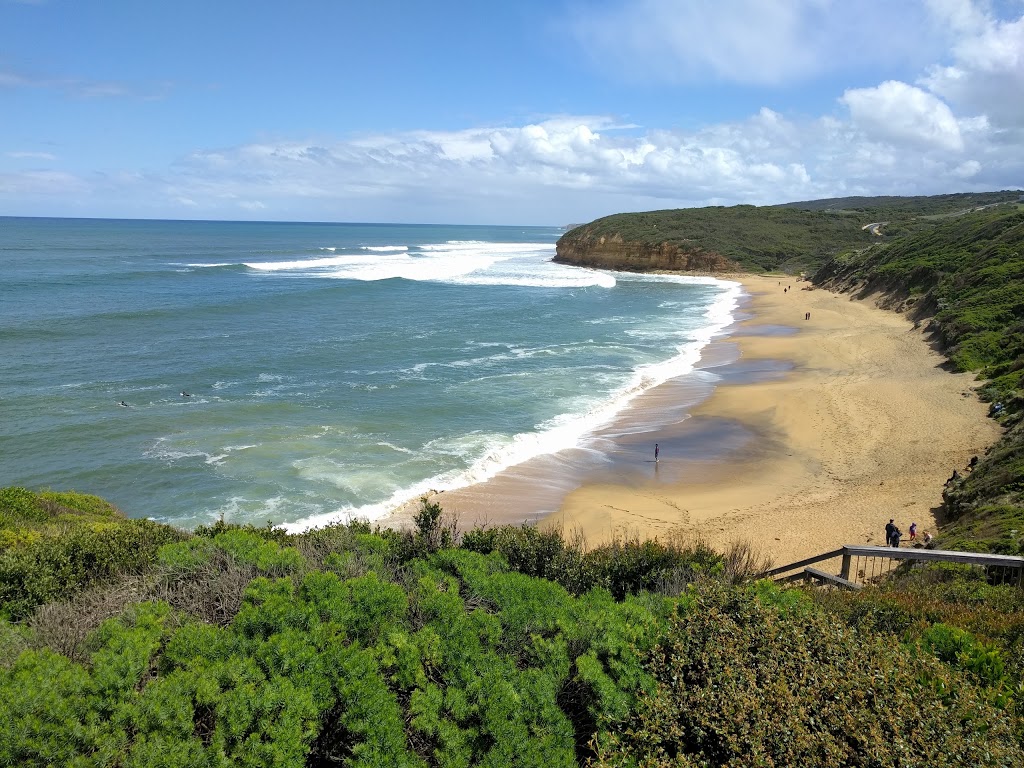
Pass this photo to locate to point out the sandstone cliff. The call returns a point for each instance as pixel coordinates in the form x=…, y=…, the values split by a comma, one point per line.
x=613, y=252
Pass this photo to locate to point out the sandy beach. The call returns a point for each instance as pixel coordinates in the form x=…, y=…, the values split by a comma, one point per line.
x=866, y=426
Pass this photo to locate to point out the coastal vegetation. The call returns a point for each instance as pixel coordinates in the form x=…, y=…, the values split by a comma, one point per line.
x=792, y=237
x=510, y=646
x=125, y=642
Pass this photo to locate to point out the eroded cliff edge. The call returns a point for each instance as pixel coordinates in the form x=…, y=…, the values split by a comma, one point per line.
x=614, y=252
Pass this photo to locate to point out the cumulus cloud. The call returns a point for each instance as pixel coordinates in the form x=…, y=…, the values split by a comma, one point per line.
x=903, y=114
x=897, y=139
x=986, y=74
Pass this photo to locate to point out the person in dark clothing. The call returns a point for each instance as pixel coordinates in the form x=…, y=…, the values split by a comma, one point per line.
x=655, y=452
x=890, y=529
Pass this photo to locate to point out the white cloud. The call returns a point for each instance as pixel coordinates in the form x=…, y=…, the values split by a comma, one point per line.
x=903, y=114
x=898, y=140
x=986, y=74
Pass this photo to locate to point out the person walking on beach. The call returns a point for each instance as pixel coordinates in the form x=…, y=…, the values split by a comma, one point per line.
x=655, y=453
x=913, y=531
x=889, y=530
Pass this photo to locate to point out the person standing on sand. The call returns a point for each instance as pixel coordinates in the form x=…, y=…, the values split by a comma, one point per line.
x=655, y=453
x=889, y=530
x=913, y=531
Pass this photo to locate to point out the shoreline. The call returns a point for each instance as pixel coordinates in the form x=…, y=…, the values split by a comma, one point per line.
x=866, y=426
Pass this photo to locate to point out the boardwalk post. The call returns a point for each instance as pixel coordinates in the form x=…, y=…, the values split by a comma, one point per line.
x=845, y=572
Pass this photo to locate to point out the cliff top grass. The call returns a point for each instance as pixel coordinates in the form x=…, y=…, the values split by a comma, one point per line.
x=790, y=237
x=24, y=509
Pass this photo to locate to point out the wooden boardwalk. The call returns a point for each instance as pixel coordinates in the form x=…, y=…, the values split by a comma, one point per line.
x=857, y=565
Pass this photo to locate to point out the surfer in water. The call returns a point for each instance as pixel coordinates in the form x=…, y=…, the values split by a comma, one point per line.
x=123, y=404
x=185, y=394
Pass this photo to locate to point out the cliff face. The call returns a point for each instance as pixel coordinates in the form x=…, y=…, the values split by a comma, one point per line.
x=612, y=252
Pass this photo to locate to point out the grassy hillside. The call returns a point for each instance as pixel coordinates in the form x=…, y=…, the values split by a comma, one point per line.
x=349, y=646
x=756, y=238
x=922, y=205
x=790, y=237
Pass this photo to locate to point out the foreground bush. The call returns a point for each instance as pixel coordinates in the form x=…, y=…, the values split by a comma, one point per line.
x=741, y=682
x=464, y=663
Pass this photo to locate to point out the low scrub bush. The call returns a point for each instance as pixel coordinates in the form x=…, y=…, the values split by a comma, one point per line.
x=731, y=665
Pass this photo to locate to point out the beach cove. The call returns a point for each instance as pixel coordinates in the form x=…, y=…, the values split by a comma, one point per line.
x=866, y=426
x=813, y=434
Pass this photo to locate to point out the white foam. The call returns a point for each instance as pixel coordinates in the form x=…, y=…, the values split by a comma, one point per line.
x=400, y=449
x=499, y=452
x=296, y=264
x=460, y=262
x=162, y=451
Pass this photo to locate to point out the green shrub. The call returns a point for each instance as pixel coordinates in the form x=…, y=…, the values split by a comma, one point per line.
x=248, y=548
x=741, y=684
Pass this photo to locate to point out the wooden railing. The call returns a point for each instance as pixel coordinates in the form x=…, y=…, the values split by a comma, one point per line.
x=859, y=565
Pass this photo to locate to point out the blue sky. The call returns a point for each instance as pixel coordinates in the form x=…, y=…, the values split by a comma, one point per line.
x=510, y=113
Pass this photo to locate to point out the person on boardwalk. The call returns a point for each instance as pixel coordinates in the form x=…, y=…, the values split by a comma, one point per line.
x=655, y=453
x=913, y=531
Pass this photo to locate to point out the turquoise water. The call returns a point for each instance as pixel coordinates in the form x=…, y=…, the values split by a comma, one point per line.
x=332, y=368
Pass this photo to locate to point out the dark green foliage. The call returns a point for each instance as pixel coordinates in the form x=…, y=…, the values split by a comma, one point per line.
x=347, y=646
x=741, y=683
x=892, y=207
x=954, y=597
x=268, y=532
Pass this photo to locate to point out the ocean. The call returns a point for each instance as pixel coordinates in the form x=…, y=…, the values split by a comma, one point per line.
x=301, y=372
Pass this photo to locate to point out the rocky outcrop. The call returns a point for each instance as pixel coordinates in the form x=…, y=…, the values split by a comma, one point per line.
x=613, y=252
